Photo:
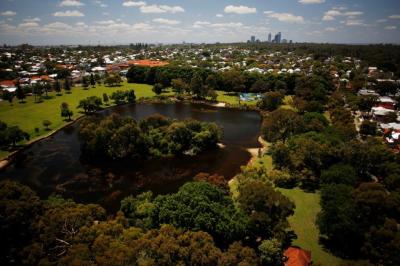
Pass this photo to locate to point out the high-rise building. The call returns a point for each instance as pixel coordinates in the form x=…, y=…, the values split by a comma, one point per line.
x=269, y=37
x=278, y=37
x=253, y=39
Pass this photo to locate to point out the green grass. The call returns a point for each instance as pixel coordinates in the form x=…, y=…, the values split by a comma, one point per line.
x=231, y=99
x=303, y=223
x=30, y=115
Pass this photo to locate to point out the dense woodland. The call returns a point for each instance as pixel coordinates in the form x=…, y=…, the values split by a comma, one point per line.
x=156, y=136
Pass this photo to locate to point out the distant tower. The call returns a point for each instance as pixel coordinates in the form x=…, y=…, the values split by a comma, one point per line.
x=253, y=39
x=278, y=37
x=269, y=37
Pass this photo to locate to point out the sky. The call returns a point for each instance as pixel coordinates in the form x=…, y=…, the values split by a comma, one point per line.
x=108, y=22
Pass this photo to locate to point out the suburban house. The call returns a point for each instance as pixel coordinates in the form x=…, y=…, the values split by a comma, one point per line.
x=297, y=257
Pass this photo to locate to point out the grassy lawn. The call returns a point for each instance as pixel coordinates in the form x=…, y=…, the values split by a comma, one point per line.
x=30, y=115
x=303, y=223
x=231, y=99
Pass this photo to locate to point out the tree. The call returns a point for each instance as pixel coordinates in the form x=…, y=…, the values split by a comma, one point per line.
x=281, y=124
x=201, y=206
x=20, y=93
x=271, y=252
x=368, y=128
x=65, y=111
x=259, y=86
x=270, y=101
x=8, y=96
x=57, y=87
x=119, y=97
x=212, y=94
x=267, y=209
x=386, y=88
x=339, y=174
x=67, y=86
x=158, y=88
x=138, y=209
x=90, y=104
x=92, y=80
x=85, y=83
x=212, y=82
x=315, y=122
x=337, y=220
x=196, y=85
x=46, y=124
x=130, y=96
x=382, y=244
x=106, y=98
x=179, y=86
x=19, y=209
x=14, y=135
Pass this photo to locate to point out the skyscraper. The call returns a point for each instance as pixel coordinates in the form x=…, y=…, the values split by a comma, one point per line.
x=278, y=37
x=269, y=37
x=253, y=39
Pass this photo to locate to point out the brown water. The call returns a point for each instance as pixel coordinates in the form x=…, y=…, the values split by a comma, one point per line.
x=55, y=164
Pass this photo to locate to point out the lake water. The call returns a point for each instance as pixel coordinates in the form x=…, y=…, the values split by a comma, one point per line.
x=54, y=165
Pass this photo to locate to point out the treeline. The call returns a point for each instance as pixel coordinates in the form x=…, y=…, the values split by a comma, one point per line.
x=10, y=136
x=198, y=225
x=156, y=136
x=359, y=178
x=231, y=81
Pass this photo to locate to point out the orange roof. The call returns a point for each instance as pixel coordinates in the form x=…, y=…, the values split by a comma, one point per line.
x=297, y=257
x=150, y=63
x=7, y=83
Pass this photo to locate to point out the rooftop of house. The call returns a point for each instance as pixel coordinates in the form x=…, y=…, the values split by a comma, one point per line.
x=297, y=257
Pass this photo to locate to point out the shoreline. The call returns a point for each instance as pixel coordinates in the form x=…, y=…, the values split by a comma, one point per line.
x=7, y=160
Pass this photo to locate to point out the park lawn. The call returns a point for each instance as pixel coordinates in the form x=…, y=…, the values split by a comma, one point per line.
x=231, y=99
x=303, y=223
x=30, y=115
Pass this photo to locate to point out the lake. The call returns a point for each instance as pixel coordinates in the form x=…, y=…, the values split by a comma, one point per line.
x=55, y=165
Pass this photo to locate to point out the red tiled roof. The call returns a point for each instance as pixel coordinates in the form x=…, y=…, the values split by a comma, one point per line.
x=151, y=63
x=7, y=83
x=297, y=257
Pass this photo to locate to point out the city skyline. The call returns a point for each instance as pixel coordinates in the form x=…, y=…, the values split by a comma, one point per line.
x=175, y=21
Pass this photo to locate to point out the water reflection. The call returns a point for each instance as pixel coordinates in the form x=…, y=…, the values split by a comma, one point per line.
x=55, y=164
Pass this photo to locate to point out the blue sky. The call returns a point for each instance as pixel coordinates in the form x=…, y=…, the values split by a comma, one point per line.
x=174, y=21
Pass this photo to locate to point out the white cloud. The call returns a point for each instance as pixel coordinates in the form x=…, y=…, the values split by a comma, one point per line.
x=240, y=9
x=394, y=17
x=382, y=20
x=200, y=24
x=285, y=17
x=32, y=19
x=156, y=9
x=328, y=18
x=330, y=29
x=306, y=2
x=166, y=21
x=71, y=3
x=219, y=16
x=8, y=13
x=353, y=13
x=142, y=27
x=390, y=28
x=68, y=13
x=99, y=3
x=355, y=22
x=28, y=25
x=226, y=25
x=133, y=3
x=105, y=22
x=338, y=12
